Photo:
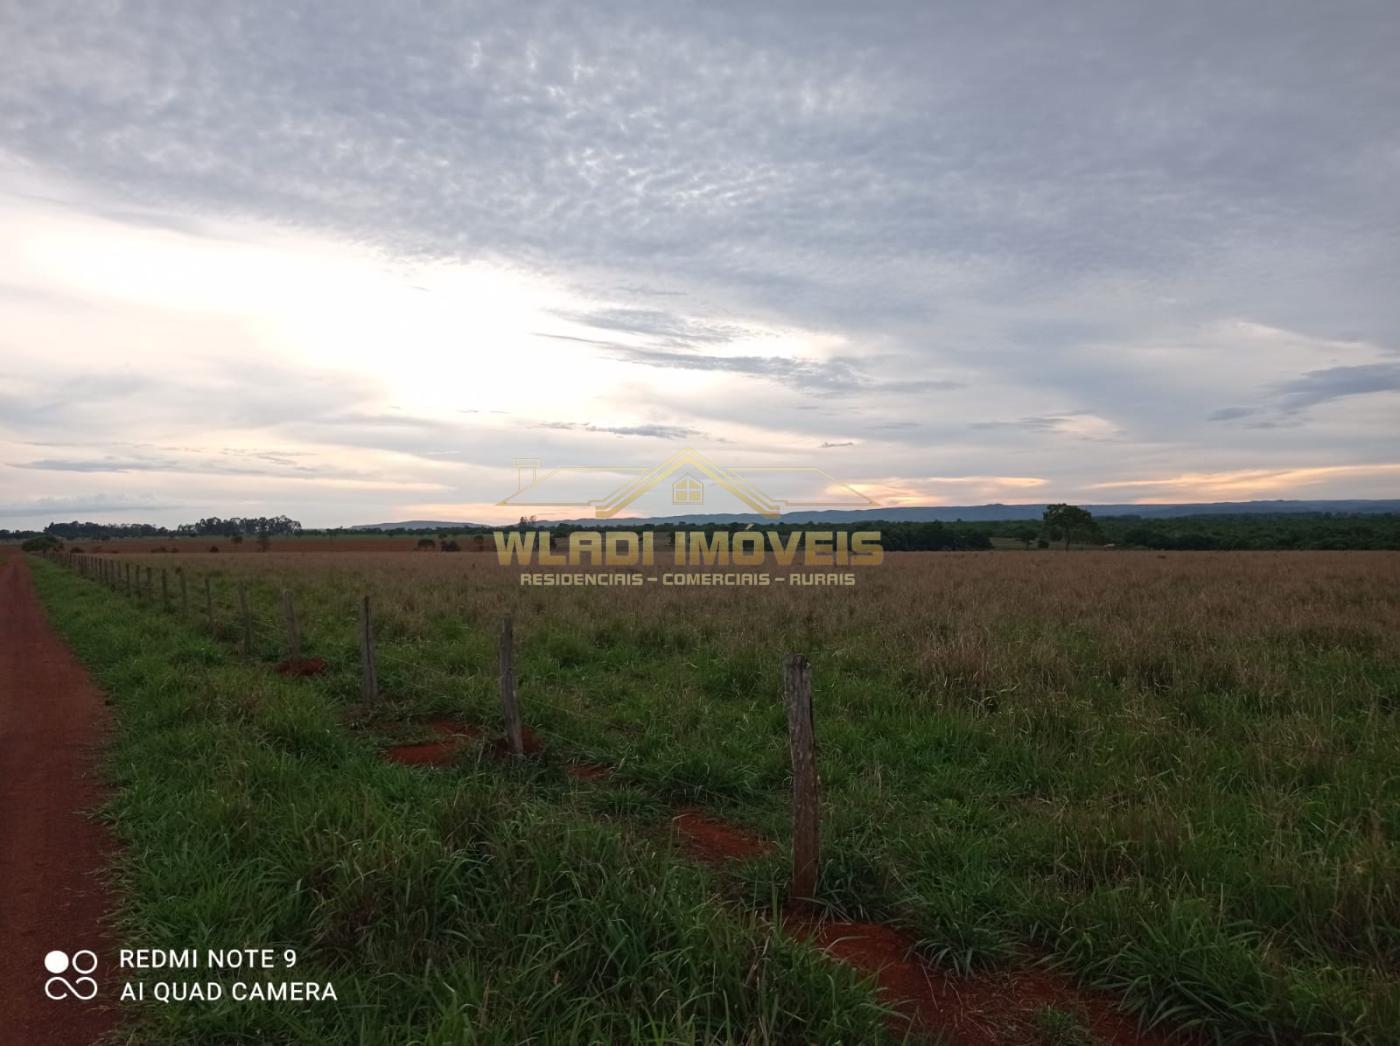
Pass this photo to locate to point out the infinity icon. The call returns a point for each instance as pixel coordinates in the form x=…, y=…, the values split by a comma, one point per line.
x=81, y=987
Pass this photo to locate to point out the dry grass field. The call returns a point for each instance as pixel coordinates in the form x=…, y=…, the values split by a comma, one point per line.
x=1174, y=776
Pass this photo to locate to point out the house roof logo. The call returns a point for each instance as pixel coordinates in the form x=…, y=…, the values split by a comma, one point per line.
x=796, y=486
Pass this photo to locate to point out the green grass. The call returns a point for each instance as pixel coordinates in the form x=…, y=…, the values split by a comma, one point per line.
x=1175, y=777
x=480, y=903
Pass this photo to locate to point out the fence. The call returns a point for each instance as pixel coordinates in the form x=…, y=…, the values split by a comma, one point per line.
x=796, y=671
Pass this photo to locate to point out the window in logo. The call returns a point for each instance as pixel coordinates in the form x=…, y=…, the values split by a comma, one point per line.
x=82, y=963
x=687, y=491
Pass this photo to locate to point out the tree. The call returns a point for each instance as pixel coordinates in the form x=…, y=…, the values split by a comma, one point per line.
x=1069, y=522
x=1026, y=534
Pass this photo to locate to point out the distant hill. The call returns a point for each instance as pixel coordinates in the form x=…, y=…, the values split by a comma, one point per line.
x=419, y=524
x=1001, y=513
x=965, y=513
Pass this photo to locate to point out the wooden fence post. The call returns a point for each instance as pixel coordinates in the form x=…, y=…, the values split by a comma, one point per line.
x=126, y=569
x=289, y=615
x=509, y=707
x=149, y=585
x=369, y=672
x=806, y=848
x=184, y=593
x=164, y=591
x=247, y=619
x=209, y=602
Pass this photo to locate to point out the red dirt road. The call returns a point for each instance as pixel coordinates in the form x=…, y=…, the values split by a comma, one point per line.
x=52, y=720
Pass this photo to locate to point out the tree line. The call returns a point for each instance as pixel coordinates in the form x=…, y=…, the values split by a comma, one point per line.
x=1061, y=525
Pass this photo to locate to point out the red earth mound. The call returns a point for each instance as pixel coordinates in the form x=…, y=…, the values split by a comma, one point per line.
x=430, y=753
x=303, y=666
x=709, y=839
x=454, y=735
x=984, y=1010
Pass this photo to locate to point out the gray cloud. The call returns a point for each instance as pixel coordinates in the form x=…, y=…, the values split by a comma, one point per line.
x=998, y=202
x=1320, y=386
x=57, y=507
x=1288, y=400
x=833, y=376
x=653, y=431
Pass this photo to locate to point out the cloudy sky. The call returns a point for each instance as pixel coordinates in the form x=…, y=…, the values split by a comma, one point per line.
x=348, y=260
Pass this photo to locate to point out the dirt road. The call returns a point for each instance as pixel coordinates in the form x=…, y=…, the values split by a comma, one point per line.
x=52, y=898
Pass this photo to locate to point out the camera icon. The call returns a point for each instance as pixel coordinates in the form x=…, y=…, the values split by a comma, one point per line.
x=82, y=963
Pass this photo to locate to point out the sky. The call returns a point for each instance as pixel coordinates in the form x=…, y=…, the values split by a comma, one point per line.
x=349, y=261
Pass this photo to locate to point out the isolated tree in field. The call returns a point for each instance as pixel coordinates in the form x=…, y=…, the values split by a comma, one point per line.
x=1026, y=534
x=1069, y=522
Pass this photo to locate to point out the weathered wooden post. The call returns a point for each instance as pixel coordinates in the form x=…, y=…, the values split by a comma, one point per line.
x=127, y=571
x=806, y=844
x=150, y=585
x=184, y=593
x=289, y=615
x=509, y=707
x=369, y=671
x=247, y=619
x=209, y=602
x=164, y=591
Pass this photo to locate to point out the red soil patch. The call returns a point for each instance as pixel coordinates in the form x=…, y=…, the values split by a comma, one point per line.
x=455, y=735
x=305, y=666
x=588, y=771
x=987, y=1010
x=52, y=720
x=430, y=753
x=714, y=841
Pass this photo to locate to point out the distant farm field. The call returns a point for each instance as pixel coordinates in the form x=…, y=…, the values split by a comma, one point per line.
x=1175, y=776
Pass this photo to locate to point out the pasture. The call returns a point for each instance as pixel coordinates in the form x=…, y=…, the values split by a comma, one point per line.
x=1171, y=777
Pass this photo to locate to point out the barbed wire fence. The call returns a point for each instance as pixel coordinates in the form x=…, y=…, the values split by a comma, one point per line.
x=263, y=621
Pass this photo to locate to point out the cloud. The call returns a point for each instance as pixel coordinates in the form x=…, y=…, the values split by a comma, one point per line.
x=651, y=431
x=57, y=507
x=1331, y=383
x=976, y=240
x=1079, y=426
x=1238, y=483
x=1289, y=400
x=825, y=377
